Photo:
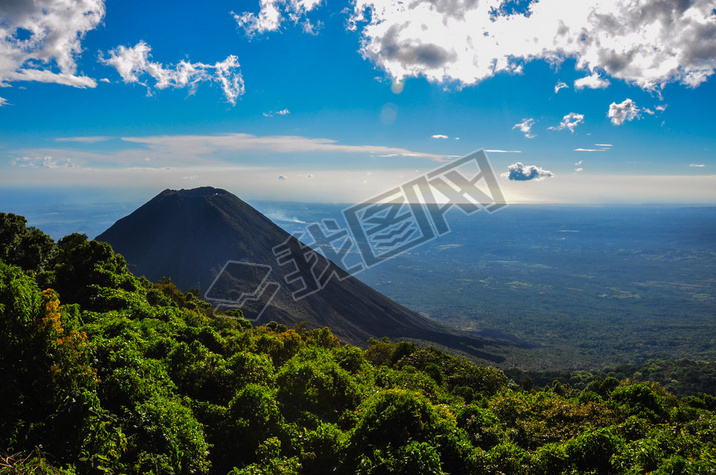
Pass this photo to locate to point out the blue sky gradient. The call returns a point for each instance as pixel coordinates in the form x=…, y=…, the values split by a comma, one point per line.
x=313, y=100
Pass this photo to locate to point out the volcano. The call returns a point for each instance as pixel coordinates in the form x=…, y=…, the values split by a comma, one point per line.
x=209, y=239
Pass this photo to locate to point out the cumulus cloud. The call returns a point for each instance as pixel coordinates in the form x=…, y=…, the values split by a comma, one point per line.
x=273, y=12
x=134, y=63
x=526, y=127
x=439, y=136
x=644, y=42
x=595, y=81
x=40, y=40
x=560, y=85
x=569, y=121
x=520, y=172
x=41, y=162
x=624, y=112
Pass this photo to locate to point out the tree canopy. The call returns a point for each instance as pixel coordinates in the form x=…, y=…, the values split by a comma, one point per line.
x=103, y=372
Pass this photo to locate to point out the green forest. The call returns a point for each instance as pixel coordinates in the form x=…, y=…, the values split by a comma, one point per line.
x=105, y=372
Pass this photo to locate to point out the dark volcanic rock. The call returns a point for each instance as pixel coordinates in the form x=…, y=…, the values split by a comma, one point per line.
x=189, y=235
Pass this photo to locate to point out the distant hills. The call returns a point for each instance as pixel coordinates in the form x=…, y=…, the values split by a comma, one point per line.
x=190, y=235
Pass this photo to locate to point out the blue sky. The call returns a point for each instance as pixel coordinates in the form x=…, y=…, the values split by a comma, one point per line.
x=310, y=100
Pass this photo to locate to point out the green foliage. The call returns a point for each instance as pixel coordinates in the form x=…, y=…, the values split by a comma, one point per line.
x=270, y=462
x=640, y=400
x=313, y=387
x=84, y=266
x=592, y=450
x=415, y=457
x=603, y=387
x=28, y=248
x=166, y=437
x=321, y=449
x=379, y=351
x=681, y=377
x=481, y=425
x=508, y=458
x=113, y=374
x=482, y=379
x=393, y=421
x=166, y=292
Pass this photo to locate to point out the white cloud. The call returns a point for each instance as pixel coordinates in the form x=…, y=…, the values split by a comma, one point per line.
x=526, y=127
x=560, y=85
x=40, y=40
x=440, y=136
x=595, y=81
x=569, y=121
x=41, y=162
x=624, y=112
x=578, y=170
x=589, y=150
x=38, y=75
x=3, y=101
x=579, y=163
x=661, y=108
x=281, y=112
x=93, y=139
x=605, y=145
x=268, y=18
x=503, y=151
x=310, y=28
x=134, y=63
x=200, y=146
x=697, y=165
x=273, y=12
x=644, y=42
x=520, y=172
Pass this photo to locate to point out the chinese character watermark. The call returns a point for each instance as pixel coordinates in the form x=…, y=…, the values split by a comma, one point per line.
x=375, y=230
x=243, y=285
